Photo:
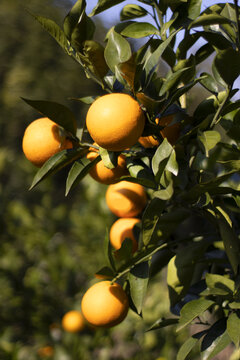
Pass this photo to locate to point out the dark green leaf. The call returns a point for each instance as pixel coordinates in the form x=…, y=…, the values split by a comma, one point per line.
x=215, y=341
x=73, y=17
x=233, y=328
x=58, y=113
x=94, y=58
x=137, y=169
x=108, y=252
x=181, y=269
x=132, y=11
x=150, y=219
x=172, y=81
x=55, y=163
x=78, y=171
x=55, y=31
x=161, y=323
x=117, y=50
x=138, y=30
x=103, y=5
x=209, y=139
x=203, y=53
x=221, y=63
x=124, y=254
x=105, y=273
x=153, y=60
x=209, y=19
x=230, y=241
x=192, y=310
x=138, y=280
x=83, y=31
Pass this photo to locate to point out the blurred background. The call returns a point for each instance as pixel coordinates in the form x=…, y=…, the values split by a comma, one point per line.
x=50, y=245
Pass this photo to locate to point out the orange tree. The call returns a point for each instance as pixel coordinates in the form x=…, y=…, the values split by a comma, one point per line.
x=191, y=222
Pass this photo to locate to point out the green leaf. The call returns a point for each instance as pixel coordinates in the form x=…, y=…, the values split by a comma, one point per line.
x=109, y=158
x=209, y=139
x=193, y=309
x=209, y=19
x=94, y=58
x=194, y=8
x=117, y=51
x=221, y=63
x=138, y=280
x=55, y=163
x=105, y=273
x=172, y=80
x=137, y=169
x=73, y=17
x=230, y=241
x=103, y=5
x=189, y=345
x=150, y=219
x=181, y=269
x=153, y=60
x=132, y=11
x=233, y=328
x=219, y=285
x=58, y=113
x=209, y=83
x=139, y=30
x=124, y=254
x=164, y=159
x=108, y=252
x=215, y=341
x=83, y=31
x=78, y=171
x=161, y=323
x=55, y=31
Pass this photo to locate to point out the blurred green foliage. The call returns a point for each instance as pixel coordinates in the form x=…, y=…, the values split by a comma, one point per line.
x=51, y=245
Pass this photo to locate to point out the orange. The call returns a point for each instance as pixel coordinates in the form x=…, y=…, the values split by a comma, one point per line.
x=126, y=199
x=122, y=229
x=105, y=304
x=171, y=132
x=46, y=351
x=102, y=174
x=73, y=321
x=42, y=139
x=115, y=121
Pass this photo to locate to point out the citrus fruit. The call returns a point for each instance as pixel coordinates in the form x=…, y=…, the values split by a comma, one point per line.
x=105, y=304
x=102, y=174
x=171, y=132
x=115, y=121
x=122, y=229
x=73, y=321
x=42, y=139
x=126, y=199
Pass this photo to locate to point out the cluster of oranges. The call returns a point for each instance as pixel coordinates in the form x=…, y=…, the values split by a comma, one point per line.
x=115, y=122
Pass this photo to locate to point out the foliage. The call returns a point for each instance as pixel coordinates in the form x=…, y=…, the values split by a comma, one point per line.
x=192, y=217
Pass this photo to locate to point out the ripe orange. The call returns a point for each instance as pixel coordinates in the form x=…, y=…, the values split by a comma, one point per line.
x=171, y=132
x=42, y=139
x=73, y=321
x=115, y=121
x=126, y=199
x=122, y=229
x=105, y=304
x=46, y=351
x=102, y=174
